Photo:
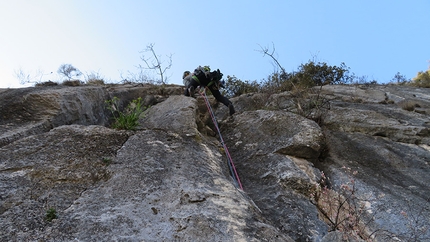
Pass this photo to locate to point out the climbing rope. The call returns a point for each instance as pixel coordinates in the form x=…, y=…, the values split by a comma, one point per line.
x=230, y=163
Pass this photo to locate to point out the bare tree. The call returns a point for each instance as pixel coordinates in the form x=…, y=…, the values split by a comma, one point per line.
x=69, y=71
x=26, y=77
x=278, y=76
x=271, y=54
x=132, y=77
x=22, y=76
x=155, y=63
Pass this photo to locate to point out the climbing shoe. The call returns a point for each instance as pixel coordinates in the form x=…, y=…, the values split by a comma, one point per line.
x=231, y=109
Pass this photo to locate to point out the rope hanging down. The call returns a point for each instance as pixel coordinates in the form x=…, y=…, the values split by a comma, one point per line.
x=229, y=160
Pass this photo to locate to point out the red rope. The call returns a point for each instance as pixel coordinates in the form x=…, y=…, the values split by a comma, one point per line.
x=229, y=160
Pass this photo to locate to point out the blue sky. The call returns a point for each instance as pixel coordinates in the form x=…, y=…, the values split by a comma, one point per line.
x=374, y=38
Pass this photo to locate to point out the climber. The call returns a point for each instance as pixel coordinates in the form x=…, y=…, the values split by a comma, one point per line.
x=186, y=78
x=203, y=77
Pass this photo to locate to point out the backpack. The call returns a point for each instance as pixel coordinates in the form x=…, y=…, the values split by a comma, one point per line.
x=215, y=78
x=201, y=75
x=211, y=78
x=202, y=70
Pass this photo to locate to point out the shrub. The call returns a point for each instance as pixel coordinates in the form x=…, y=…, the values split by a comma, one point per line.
x=342, y=209
x=399, y=79
x=107, y=161
x=422, y=79
x=235, y=87
x=46, y=84
x=417, y=225
x=51, y=214
x=277, y=82
x=408, y=105
x=310, y=103
x=136, y=78
x=307, y=75
x=95, y=82
x=72, y=83
x=318, y=74
x=127, y=119
x=94, y=79
x=69, y=71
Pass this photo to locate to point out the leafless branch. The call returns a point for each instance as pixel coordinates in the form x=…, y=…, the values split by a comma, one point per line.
x=155, y=63
x=271, y=53
x=26, y=77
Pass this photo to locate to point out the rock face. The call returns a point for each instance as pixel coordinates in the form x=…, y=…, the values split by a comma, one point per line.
x=66, y=176
x=271, y=148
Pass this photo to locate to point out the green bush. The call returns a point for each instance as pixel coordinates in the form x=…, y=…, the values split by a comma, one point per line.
x=318, y=74
x=129, y=117
x=309, y=102
x=234, y=87
x=307, y=75
x=277, y=82
x=51, y=214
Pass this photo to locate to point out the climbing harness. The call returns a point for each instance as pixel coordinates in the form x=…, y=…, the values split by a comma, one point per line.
x=230, y=163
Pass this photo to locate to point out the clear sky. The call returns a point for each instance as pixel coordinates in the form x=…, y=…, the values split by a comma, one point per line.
x=375, y=38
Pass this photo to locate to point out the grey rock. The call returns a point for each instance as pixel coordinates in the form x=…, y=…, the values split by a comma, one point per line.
x=36, y=110
x=270, y=150
x=276, y=132
x=170, y=181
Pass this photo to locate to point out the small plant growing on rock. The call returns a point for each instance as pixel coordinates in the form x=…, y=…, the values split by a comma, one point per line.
x=408, y=105
x=72, y=83
x=342, y=209
x=311, y=103
x=46, y=84
x=417, y=225
x=107, y=161
x=51, y=214
x=129, y=117
x=94, y=79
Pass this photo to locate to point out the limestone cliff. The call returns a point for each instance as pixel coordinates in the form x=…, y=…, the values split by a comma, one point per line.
x=169, y=180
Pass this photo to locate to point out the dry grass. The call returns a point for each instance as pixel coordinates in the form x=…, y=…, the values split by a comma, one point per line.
x=72, y=83
x=408, y=105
